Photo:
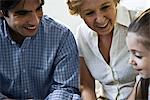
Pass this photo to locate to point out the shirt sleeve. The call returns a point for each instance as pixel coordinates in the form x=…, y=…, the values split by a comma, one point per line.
x=79, y=39
x=65, y=84
x=2, y=96
x=62, y=95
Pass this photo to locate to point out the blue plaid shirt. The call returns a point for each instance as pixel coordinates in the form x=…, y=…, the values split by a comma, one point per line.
x=46, y=66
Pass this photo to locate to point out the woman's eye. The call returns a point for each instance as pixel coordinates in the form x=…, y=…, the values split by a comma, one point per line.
x=89, y=13
x=104, y=8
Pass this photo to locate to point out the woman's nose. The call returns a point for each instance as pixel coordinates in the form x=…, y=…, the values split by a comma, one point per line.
x=100, y=18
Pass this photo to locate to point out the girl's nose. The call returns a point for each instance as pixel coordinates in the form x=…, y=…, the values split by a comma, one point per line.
x=132, y=62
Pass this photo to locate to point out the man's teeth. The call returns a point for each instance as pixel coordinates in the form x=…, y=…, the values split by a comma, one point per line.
x=31, y=27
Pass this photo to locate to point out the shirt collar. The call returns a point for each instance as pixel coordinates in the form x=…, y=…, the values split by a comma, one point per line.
x=123, y=16
x=6, y=31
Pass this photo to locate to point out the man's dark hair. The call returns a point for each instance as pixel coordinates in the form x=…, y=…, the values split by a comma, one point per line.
x=6, y=5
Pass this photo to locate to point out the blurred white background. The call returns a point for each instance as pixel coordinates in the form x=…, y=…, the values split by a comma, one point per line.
x=58, y=9
x=136, y=4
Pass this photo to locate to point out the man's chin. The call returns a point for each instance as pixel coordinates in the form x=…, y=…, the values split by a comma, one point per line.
x=30, y=34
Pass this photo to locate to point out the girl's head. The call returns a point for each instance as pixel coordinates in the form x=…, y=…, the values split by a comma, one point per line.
x=99, y=15
x=138, y=42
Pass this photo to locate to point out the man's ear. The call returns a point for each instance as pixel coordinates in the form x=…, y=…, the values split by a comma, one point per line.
x=1, y=13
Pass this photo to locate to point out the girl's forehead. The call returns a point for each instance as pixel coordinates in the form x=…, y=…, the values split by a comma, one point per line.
x=137, y=40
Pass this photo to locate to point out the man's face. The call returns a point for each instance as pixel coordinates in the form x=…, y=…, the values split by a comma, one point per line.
x=25, y=18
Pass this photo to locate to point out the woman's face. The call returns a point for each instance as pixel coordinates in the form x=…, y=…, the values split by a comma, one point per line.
x=140, y=56
x=99, y=15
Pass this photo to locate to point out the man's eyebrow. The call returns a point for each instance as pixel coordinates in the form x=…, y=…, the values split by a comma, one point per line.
x=22, y=10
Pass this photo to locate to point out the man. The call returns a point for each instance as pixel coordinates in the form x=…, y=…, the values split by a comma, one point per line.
x=38, y=56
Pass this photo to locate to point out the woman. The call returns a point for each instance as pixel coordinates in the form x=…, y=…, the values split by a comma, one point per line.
x=103, y=51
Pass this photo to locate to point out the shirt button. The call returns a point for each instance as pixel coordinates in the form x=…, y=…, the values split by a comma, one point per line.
x=19, y=50
x=22, y=50
x=24, y=70
x=25, y=91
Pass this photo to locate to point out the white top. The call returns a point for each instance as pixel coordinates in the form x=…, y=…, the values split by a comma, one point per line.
x=117, y=78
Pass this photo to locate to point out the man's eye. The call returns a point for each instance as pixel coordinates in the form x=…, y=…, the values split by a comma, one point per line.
x=21, y=13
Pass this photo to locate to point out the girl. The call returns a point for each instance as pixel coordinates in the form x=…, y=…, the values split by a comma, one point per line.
x=138, y=42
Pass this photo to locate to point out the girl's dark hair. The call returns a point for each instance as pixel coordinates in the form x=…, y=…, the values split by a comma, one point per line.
x=6, y=5
x=141, y=27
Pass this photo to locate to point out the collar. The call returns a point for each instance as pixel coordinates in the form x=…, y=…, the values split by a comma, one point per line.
x=123, y=15
x=3, y=28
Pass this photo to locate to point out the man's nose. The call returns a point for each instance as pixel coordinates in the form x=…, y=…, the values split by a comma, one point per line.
x=34, y=19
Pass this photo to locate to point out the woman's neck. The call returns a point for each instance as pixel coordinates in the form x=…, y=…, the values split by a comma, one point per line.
x=104, y=43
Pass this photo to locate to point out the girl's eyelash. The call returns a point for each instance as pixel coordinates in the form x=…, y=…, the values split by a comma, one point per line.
x=138, y=56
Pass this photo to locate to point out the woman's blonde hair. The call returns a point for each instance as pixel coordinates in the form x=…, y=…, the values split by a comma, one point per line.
x=74, y=6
